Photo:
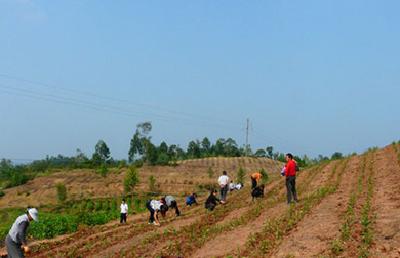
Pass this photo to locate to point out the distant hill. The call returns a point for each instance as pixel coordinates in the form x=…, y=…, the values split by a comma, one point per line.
x=178, y=180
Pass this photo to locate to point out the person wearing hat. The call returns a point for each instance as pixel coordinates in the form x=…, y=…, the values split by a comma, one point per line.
x=16, y=238
x=255, y=178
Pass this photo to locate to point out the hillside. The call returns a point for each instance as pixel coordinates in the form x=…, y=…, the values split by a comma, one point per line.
x=347, y=208
x=81, y=184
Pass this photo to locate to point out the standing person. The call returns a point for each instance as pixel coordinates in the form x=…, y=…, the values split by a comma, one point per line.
x=171, y=203
x=290, y=173
x=255, y=178
x=223, y=182
x=124, y=211
x=16, y=238
x=212, y=200
x=154, y=207
x=191, y=199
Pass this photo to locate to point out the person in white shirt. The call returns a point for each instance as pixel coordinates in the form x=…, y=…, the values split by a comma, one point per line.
x=124, y=211
x=232, y=186
x=223, y=182
x=154, y=207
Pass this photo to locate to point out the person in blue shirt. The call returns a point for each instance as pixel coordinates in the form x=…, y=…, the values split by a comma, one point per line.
x=191, y=199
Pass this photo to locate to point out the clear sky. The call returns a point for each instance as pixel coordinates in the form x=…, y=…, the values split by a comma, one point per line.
x=313, y=77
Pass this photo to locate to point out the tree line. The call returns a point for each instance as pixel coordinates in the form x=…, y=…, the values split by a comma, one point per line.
x=143, y=151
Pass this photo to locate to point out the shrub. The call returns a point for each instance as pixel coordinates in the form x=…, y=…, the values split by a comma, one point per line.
x=265, y=176
x=152, y=184
x=131, y=179
x=210, y=173
x=61, y=192
x=2, y=193
x=103, y=170
x=240, y=175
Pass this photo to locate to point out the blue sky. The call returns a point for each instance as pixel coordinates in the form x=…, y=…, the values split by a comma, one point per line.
x=313, y=77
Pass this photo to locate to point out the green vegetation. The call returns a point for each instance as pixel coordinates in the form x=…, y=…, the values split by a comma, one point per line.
x=66, y=218
x=131, y=179
x=152, y=184
x=367, y=219
x=265, y=176
x=210, y=172
x=103, y=170
x=61, y=192
x=240, y=175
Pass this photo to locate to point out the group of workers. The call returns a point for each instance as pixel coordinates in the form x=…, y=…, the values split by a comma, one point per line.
x=16, y=243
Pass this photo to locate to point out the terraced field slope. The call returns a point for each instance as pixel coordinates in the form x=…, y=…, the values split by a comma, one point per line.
x=347, y=208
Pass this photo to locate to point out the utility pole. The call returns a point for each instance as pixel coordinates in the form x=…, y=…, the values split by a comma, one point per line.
x=247, y=138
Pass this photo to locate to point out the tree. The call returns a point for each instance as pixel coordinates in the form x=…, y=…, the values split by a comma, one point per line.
x=205, y=147
x=61, y=192
x=260, y=153
x=270, y=151
x=193, y=150
x=131, y=179
x=337, y=155
x=162, y=154
x=240, y=176
x=137, y=147
x=101, y=153
x=218, y=147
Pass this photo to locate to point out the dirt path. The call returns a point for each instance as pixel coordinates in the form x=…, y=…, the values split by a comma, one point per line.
x=313, y=234
x=386, y=204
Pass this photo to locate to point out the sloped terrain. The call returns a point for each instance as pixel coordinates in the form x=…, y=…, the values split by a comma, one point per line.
x=81, y=184
x=347, y=208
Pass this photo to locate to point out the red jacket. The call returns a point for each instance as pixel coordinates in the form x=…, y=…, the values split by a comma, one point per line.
x=290, y=168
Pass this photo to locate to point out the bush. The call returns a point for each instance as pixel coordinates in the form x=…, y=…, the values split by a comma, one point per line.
x=61, y=192
x=131, y=179
x=103, y=170
x=210, y=172
x=152, y=184
x=265, y=176
x=2, y=193
x=240, y=176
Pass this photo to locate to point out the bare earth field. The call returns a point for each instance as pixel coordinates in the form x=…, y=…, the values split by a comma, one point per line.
x=360, y=191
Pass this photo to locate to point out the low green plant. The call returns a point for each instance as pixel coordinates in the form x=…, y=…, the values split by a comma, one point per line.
x=210, y=172
x=240, y=175
x=61, y=192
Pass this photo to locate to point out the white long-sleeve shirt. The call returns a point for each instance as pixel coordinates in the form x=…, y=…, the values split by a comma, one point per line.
x=124, y=208
x=223, y=180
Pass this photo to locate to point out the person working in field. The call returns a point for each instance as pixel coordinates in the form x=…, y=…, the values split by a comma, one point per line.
x=255, y=178
x=212, y=200
x=223, y=182
x=170, y=202
x=191, y=199
x=290, y=173
x=154, y=207
x=124, y=211
x=15, y=242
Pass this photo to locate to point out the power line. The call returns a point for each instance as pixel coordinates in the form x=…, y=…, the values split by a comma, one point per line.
x=101, y=107
x=129, y=102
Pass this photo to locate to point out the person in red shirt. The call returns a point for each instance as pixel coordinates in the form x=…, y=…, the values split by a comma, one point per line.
x=290, y=174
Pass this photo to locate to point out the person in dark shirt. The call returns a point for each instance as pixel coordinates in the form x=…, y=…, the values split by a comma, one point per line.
x=212, y=200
